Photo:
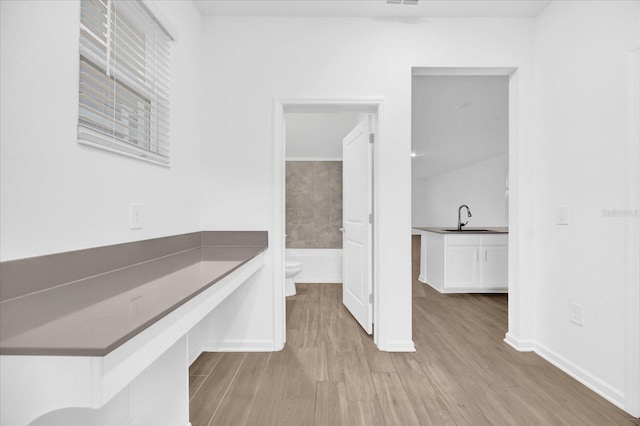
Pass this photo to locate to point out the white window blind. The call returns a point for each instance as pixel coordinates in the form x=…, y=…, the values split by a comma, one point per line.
x=124, y=80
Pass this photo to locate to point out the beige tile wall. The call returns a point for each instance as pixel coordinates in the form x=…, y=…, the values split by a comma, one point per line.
x=314, y=204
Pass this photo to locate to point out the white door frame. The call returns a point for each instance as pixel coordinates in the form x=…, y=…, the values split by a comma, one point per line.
x=632, y=385
x=372, y=105
x=516, y=301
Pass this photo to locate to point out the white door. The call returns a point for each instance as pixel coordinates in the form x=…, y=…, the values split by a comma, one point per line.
x=357, y=181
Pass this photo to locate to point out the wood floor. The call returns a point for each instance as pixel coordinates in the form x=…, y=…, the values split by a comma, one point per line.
x=330, y=372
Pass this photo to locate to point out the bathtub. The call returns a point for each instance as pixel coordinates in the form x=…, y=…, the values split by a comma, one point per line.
x=318, y=265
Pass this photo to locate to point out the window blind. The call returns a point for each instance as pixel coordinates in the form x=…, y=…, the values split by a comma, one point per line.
x=124, y=80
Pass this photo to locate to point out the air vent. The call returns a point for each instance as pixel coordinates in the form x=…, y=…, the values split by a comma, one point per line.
x=414, y=2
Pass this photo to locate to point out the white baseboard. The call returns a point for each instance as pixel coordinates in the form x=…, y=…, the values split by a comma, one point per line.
x=519, y=344
x=599, y=386
x=397, y=346
x=422, y=279
x=241, y=346
x=608, y=392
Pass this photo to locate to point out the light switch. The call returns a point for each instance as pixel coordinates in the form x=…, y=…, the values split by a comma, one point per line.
x=136, y=216
x=563, y=215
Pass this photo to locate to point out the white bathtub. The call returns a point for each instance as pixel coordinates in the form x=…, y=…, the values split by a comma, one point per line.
x=318, y=265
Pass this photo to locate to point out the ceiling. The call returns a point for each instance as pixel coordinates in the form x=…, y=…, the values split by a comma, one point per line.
x=457, y=121
x=373, y=8
x=317, y=135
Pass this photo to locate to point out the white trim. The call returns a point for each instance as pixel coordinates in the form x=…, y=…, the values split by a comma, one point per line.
x=241, y=346
x=463, y=71
x=111, y=145
x=602, y=388
x=161, y=19
x=362, y=104
x=277, y=237
x=313, y=159
x=379, y=337
x=610, y=393
x=397, y=346
x=632, y=367
x=518, y=344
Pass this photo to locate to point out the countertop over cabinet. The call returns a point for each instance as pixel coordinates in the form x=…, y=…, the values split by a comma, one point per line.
x=465, y=230
x=473, y=260
x=106, y=328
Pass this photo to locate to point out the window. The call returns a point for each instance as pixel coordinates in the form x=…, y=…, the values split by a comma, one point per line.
x=124, y=80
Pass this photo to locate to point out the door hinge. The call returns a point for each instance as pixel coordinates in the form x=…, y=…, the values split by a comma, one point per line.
x=371, y=218
x=371, y=137
x=371, y=298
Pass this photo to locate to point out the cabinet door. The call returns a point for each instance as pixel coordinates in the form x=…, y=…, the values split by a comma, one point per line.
x=494, y=268
x=461, y=267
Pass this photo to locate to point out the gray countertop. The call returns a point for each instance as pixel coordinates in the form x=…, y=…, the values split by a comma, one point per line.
x=95, y=315
x=465, y=230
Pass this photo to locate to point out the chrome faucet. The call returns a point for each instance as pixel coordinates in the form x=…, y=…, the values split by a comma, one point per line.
x=460, y=224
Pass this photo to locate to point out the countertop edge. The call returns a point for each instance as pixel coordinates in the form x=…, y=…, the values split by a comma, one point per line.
x=254, y=248
x=468, y=231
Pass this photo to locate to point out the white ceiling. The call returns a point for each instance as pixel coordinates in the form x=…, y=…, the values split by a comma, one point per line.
x=457, y=121
x=317, y=135
x=373, y=8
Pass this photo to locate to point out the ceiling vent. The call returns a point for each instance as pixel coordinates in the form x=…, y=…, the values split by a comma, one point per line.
x=413, y=2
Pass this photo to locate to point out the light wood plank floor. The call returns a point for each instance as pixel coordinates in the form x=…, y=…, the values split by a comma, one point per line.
x=330, y=372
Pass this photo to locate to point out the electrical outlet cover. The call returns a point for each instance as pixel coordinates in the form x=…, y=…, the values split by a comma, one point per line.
x=575, y=314
x=136, y=216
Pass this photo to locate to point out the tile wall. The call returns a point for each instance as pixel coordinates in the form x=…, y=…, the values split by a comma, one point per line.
x=314, y=204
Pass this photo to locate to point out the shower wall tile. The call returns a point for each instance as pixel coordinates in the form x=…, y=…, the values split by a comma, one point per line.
x=313, y=204
x=335, y=216
x=299, y=236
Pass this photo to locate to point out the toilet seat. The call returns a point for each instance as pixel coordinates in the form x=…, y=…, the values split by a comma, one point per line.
x=292, y=265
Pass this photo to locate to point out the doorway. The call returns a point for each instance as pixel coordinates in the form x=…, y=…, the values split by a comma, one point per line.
x=481, y=105
x=363, y=108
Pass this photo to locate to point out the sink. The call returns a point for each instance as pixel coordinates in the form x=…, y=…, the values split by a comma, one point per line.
x=467, y=230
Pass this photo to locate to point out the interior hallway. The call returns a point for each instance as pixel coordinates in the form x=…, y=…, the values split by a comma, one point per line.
x=330, y=372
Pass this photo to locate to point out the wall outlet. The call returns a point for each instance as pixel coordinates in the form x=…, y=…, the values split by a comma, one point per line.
x=575, y=314
x=136, y=216
x=563, y=215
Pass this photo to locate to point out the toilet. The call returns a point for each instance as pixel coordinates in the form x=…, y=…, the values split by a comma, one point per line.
x=291, y=269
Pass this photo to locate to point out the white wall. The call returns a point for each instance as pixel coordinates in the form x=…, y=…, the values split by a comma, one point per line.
x=249, y=62
x=57, y=195
x=481, y=186
x=583, y=133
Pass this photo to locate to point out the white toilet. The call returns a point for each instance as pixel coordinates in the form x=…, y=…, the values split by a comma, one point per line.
x=291, y=269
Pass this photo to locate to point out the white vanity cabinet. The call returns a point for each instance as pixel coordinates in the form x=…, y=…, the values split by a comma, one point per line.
x=454, y=262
